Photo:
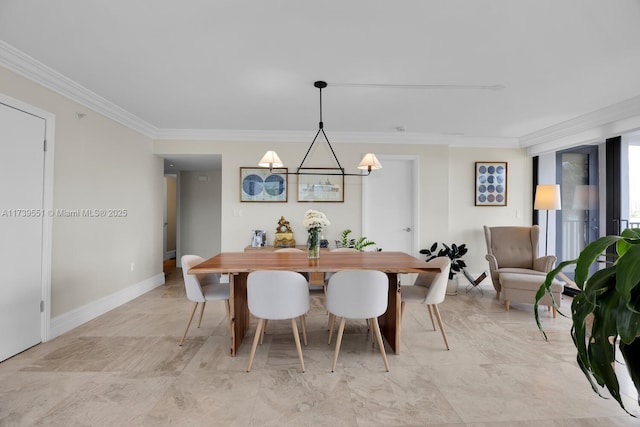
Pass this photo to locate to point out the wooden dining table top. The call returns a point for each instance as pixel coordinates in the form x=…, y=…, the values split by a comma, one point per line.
x=246, y=262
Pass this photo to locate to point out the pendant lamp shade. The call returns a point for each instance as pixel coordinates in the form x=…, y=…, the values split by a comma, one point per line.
x=270, y=160
x=369, y=162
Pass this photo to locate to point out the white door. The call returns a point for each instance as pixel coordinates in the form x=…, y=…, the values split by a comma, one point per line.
x=21, y=218
x=389, y=204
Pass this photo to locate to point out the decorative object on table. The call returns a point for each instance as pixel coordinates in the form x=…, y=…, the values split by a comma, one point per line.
x=320, y=188
x=491, y=184
x=454, y=253
x=284, y=235
x=272, y=161
x=314, y=221
x=324, y=243
x=261, y=185
x=358, y=244
x=258, y=238
x=474, y=283
x=607, y=309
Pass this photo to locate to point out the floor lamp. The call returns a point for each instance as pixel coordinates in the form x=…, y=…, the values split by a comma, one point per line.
x=547, y=198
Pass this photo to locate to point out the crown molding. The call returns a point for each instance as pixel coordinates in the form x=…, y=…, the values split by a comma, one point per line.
x=28, y=67
x=231, y=135
x=334, y=137
x=619, y=111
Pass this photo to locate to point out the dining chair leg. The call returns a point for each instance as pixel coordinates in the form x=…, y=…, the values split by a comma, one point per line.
x=444, y=335
x=402, y=310
x=264, y=331
x=256, y=338
x=188, y=324
x=303, y=323
x=201, y=313
x=431, y=316
x=376, y=326
x=338, y=342
x=370, y=326
x=294, y=326
x=332, y=321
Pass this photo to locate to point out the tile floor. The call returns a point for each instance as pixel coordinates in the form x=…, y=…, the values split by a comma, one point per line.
x=126, y=369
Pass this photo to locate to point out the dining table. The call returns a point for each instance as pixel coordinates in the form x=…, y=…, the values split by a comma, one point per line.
x=238, y=265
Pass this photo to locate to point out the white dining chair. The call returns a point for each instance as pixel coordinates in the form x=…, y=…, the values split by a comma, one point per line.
x=293, y=250
x=328, y=275
x=277, y=295
x=202, y=288
x=429, y=289
x=358, y=294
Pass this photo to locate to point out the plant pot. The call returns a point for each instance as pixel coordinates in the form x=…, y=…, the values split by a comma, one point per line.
x=452, y=286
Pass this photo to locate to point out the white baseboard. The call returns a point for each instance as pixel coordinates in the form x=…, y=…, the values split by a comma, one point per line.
x=74, y=318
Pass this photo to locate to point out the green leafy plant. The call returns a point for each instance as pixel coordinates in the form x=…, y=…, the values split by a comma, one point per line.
x=358, y=244
x=454, y=252
x=607, y=309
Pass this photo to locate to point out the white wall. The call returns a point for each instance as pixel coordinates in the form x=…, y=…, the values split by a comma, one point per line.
x=200, y=213
x=99, y=164
x=465, y=219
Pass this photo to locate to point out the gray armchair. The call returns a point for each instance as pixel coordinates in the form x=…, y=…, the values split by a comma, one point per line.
x=515, y=250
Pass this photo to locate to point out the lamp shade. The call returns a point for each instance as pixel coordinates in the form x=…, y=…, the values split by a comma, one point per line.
x=547, y=197
x=585, y=197
x=369, y=162
x=270, y=160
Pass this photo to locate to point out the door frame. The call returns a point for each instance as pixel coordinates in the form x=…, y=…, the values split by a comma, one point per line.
x=415, y=227
x=47, y=205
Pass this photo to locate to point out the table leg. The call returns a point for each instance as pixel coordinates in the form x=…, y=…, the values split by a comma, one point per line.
x=390, y=321
x=239, y=309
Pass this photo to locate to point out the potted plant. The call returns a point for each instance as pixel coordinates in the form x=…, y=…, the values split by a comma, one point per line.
x=358, y=244
x=455, y=253
x=607, y=309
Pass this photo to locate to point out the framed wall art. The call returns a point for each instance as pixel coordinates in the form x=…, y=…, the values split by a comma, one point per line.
x=319, y=187
x=261, y=185
x=491, y=184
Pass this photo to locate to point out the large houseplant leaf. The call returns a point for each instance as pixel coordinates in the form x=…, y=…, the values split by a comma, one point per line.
x=606, y=311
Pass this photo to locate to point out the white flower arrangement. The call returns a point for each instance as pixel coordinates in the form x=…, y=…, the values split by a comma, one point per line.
x=315, y=220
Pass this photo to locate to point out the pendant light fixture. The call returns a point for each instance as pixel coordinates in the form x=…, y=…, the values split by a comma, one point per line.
x=271, y=160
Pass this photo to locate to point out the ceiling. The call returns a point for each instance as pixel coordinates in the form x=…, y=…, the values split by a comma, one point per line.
x=473, y=69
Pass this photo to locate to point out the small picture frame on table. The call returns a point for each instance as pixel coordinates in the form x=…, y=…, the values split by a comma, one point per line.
x=262, y=185
x=491, y=184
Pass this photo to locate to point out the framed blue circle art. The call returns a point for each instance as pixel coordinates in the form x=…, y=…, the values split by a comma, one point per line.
x=491, y=184
x=262, y=185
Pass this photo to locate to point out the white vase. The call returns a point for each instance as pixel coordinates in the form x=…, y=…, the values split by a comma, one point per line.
x=452, y=286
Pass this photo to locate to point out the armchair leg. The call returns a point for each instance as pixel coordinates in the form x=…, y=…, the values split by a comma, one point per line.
x=506, y=304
